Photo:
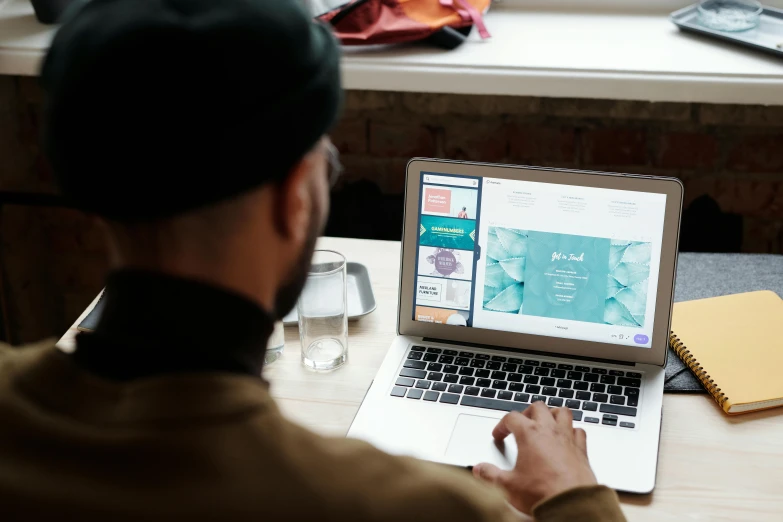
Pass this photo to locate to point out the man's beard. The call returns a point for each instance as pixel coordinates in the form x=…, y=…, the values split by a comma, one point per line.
x=294, y=283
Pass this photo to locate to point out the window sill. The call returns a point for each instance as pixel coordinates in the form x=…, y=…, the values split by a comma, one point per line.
x=532, y=52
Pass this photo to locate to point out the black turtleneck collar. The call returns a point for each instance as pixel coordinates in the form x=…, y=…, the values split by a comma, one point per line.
x=154, y=324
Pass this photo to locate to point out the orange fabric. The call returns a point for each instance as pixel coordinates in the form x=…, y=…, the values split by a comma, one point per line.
x=435, y=15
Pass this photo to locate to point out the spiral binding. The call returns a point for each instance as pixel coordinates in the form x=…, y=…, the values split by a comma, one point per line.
x=690, y=361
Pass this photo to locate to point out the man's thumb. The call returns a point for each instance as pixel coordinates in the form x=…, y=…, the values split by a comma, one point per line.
x=488, y=472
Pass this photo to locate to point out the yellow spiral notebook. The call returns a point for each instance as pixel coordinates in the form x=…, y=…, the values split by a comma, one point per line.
x=734, y=345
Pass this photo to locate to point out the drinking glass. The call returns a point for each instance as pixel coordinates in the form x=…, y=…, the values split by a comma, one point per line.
x=322, y=309
x=276, y=344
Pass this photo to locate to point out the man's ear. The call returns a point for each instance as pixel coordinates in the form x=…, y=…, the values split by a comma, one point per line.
x=293, y=202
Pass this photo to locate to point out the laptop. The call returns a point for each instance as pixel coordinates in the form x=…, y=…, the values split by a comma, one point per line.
x=523, y=284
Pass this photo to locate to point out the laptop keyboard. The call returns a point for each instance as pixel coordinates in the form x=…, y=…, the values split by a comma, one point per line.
x=593, y=394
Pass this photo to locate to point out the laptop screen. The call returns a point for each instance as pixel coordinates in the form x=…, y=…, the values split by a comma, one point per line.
x=538, y=258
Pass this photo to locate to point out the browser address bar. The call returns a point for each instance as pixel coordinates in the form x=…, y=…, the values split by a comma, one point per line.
x=449, y=180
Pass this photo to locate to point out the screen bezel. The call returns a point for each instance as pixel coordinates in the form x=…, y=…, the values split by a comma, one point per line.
x=656, y=354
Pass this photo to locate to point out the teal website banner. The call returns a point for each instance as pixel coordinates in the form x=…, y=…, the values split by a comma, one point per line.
x=446, y=232
x=564, y=276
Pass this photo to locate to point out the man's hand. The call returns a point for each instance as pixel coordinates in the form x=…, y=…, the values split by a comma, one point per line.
x=552, y=456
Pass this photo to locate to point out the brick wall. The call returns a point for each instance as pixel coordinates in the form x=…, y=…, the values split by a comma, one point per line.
x=52, y=260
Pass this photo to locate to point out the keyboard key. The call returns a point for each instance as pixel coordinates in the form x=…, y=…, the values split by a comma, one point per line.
x=450, y=352
x=532, y=388
x=633, y=383
x=616, y=373
x=548, y=364
x=617, y=399
x=497, y=374
x=434, y=367
x=424, y=385
x=564, y=383
x=555, y=402
x=544, y=372
x=416, y=365
x=413, y=393
x=609, y=421
x=573, y=404
x=466, y=371
x=456, y=388
x=449, y=398
x=590, y=406
x=599, y=371
x=417, y=348
x=432, y=357
x=404, y=381
x=516, y=386
x=505, y=395
x=565, y=366
x=493, y=404
x=574, y=376
x=581, y=385
x=558, y=374
x=613, y=389
x=582, y=369
x=514, y=377
x=462, y=361
x=566, y=394
x=551, y=391
x=434, y=350
x=413, y=374
x=530, y=379
x=576, y=414
x=591, y=377
x=467, y=381
x=398, y=391
x=431, y=396
x=537, y=398
x=415, y=356
x=439, y=386
x=498, y=358
x=619, y=410
x=482, y=356
x=607, y=379
x=508, y=367
x=450, y=368
x=488, y=392
x=499, y=385
x=472, y=390
x=446, y=359
x=600, y=397
x=627, y=424
x=434, y=376
x=477, y=363
x=493, y=365
x=451, y=378
x=521, y=397
x=483, y=383
x=547, y=381
x=526, y=369
x=600, y=388
x=633, y=375
x=591, y=420
x=583, y=395
x=467, y=355
x=633, y=400
x=631, y=391
x=514, y=360
x=482, y=373
x=530, y=362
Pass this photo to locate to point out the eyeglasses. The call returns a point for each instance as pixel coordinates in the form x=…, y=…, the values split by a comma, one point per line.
x=335, y=167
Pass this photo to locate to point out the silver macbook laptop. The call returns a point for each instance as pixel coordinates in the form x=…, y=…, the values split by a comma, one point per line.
x=523, y=284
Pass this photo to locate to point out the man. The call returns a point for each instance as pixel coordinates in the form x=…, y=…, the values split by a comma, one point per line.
x=196, y=130
x=463, y=214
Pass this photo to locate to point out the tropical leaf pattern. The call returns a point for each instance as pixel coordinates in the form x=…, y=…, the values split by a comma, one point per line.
x=627, y=282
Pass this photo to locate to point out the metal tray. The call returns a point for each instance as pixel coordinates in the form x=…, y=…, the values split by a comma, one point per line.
x=361, y=300
x=767, y=37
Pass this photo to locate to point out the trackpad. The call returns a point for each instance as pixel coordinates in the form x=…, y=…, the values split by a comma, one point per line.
x=471, y=443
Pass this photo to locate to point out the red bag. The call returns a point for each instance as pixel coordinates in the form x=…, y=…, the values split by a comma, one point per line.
x=444, y=22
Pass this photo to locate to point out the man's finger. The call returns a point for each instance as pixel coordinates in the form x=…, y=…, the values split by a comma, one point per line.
x=513, y=422
x=489, y=473
x=564, y=418
x=539, y=412
x=580, y=438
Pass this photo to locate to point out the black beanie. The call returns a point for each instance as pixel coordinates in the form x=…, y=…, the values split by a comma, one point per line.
x=157, y=107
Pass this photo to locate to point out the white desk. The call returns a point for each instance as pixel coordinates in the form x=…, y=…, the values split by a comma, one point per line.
x=712, y=467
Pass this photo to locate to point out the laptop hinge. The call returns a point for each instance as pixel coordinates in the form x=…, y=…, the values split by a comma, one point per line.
x=532, y=352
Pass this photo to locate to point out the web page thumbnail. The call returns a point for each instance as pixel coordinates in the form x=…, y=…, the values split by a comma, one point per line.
x=444, y=293
x=445, y=262
x=562, y=276
x=449, y=202
x=441, y=316
x=446, y=232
